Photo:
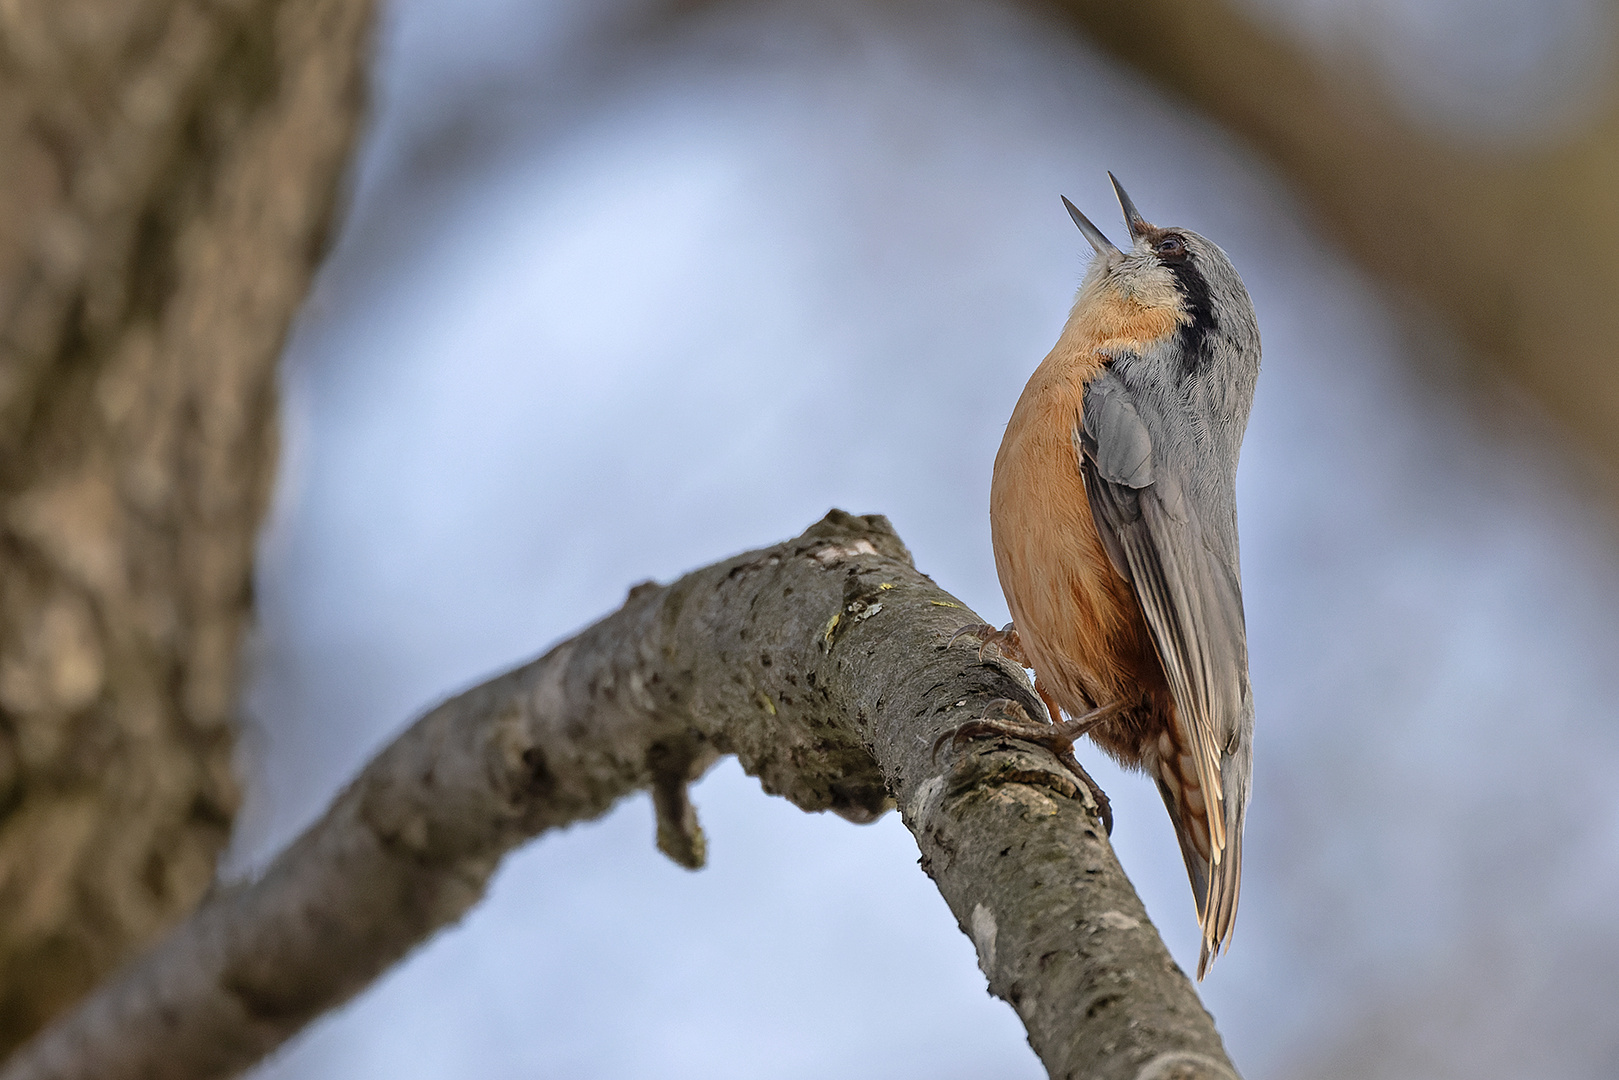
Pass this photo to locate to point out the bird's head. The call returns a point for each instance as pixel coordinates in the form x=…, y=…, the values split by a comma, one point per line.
x=1170, y=282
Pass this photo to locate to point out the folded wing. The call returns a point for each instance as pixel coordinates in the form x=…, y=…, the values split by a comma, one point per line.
x=1181, y=562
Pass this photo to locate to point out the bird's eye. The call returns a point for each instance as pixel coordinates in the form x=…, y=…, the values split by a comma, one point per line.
x=1171, y=245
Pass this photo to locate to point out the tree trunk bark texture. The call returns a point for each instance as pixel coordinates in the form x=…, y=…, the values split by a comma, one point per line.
x=168, y=171
x=823, y=664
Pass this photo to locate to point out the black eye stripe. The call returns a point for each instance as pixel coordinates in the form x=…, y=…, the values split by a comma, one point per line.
x=1199, y=305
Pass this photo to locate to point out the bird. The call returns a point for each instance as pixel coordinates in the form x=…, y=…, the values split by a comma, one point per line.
x=1113, y=519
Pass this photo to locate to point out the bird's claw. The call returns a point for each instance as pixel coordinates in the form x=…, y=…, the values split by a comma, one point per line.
x=1104, y=805
x=1010, y=719
x=1005, y=641
x=1002, y=716
x=980, y=630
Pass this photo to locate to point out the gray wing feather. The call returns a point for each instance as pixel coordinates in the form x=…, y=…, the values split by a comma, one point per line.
x=1118, y=440
x=1158, y=538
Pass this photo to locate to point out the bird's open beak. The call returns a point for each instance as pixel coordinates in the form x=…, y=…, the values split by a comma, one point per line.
x=1132, y=217
x=1098, y=241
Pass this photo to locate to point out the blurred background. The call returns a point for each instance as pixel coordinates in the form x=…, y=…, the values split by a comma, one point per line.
x=624, y=287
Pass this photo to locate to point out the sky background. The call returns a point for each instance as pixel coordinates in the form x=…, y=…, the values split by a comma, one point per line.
x=617, y=297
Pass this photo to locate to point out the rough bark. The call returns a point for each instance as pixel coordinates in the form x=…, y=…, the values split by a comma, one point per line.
x=1517, y=249
x=822, y=664
x=167, y=177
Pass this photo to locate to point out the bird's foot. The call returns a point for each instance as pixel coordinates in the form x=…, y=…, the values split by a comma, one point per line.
x=1004, y=718
x=1005, y=641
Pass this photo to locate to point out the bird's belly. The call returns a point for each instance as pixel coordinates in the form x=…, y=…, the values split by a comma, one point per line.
x=1078, y=621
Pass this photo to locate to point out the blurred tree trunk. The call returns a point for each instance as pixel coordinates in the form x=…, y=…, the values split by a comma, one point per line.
x=168, y=172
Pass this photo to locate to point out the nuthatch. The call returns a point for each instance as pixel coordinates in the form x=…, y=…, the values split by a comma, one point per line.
x=1113, y=515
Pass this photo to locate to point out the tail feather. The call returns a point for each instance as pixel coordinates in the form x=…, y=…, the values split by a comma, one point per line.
x=1215, y=873
x=1218, y=915
x=1197, y=867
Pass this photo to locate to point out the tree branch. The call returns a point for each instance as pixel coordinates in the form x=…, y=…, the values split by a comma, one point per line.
x=821, y=663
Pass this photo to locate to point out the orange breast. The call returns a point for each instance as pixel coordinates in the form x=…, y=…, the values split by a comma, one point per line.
x=1078, y=620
